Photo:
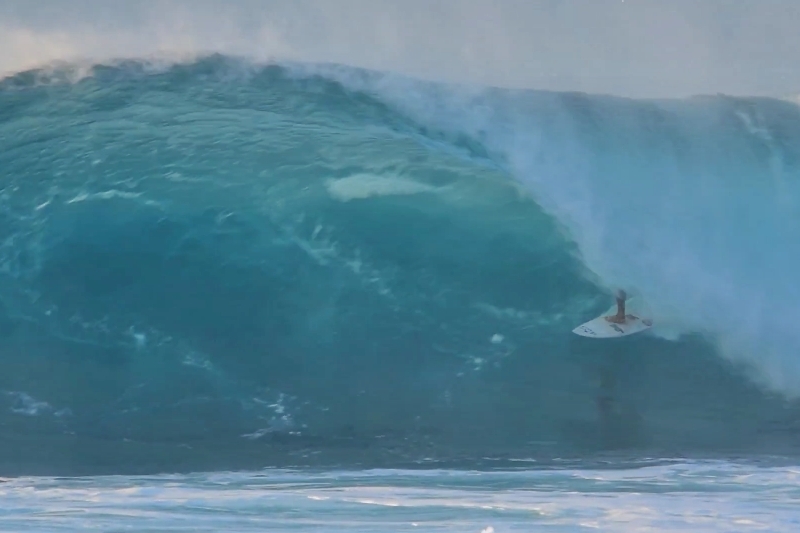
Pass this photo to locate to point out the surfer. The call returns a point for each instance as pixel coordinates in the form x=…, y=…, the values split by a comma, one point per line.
x=619, y=318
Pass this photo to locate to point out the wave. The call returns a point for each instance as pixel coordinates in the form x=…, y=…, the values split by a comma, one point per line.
x=219, y=264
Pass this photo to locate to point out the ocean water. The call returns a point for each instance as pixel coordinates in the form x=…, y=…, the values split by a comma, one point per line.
x=697, y=497
x=237, y=296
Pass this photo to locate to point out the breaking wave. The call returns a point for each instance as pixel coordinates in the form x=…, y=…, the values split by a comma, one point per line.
x=220, y=264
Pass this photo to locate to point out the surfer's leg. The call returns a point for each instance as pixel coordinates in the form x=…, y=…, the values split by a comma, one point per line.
x=621, y=297
x=619, y=318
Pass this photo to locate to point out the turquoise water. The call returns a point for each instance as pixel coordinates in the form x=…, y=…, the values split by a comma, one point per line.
x=219, y=265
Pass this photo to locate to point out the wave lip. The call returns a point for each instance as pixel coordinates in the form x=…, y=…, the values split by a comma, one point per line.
x=486, y=43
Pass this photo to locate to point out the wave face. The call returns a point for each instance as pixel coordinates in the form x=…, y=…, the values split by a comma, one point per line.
x=223, y=265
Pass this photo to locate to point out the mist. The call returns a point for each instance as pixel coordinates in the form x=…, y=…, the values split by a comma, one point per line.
x=635, y=48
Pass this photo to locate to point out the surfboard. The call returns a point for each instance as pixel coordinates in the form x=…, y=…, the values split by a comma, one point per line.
x=600, y=328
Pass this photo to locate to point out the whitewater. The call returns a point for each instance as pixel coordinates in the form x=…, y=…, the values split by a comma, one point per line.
x=238, y=295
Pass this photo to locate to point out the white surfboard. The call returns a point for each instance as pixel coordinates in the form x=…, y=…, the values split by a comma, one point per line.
x=600, y=328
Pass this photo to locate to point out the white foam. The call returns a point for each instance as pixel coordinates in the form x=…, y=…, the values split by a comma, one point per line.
x=680, y=497
x=110, y=195
x=361, y=186
x=25, y=404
